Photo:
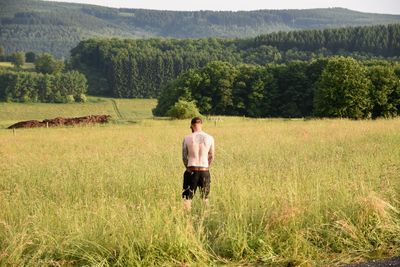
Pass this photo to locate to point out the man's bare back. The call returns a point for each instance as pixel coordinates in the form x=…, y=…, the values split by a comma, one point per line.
x=198, y=149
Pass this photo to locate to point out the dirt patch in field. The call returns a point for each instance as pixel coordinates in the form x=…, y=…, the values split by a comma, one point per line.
x=59, y=121
x=392, y=262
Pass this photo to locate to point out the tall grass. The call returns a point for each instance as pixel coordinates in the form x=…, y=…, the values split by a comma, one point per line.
x=282, y=193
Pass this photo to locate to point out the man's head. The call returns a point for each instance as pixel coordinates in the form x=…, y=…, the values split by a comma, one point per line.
x=196, y=124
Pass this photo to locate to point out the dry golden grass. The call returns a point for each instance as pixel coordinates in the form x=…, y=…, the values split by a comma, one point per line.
x=307, y=193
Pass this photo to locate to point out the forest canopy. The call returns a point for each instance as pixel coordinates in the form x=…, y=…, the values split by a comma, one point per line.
x=335, y=87
x=139, y=68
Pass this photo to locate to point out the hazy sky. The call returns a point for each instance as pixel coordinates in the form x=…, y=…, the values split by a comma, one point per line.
x=374, y=6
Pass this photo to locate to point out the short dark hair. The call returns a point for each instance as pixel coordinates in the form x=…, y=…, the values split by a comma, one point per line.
x=196, y=120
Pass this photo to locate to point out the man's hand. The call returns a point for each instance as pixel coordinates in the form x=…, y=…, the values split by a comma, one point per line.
x=185, y=153
x=211, y=153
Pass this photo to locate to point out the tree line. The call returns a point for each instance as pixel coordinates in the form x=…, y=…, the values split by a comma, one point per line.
x=139, y=68
x=377, y=40
x=48, y=82
x=23, y=86
x=334, y=87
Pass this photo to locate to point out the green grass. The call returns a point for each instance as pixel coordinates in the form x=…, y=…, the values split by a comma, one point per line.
x=308, y=193
x=130, y=109
x=9, y=65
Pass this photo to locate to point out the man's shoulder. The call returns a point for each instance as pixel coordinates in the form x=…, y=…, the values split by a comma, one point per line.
x=192, y=135
x=208, y=136
x=188, y=136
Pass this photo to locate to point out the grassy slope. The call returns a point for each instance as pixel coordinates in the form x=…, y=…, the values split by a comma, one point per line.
x=57, y=27
x=130, y=109
x=9, y=65
x=283, y=192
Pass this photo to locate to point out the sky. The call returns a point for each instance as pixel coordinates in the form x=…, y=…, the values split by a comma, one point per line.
x=372, y=6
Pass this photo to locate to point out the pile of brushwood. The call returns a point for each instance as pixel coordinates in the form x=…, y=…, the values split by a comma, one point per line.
x=59, y=121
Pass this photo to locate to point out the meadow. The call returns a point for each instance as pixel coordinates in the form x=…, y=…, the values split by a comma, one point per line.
x=9, y=65
x=283, y=192
x=121, y=110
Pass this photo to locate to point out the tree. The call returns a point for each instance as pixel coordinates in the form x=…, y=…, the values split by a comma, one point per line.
x=183, y=110
x=18, y=59
x=30, y=57
x=262, y=55
x=248, y=91
x=294, y=96
x=47, y=64
x=218, y=83
x=385, y=86
x=343, y=90
x=1, y=53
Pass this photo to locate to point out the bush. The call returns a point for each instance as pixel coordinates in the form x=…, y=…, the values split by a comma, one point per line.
x=81, y=98
x=183, y=110
x=58, y=98
x=70, y=98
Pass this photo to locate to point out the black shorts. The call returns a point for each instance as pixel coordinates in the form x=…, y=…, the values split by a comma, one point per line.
x=194, y=179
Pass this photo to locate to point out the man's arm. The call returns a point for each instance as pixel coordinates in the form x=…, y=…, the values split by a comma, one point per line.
x=185, y=153
x=211, y=153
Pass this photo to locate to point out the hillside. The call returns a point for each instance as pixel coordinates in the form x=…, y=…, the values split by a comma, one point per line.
x=57, y=27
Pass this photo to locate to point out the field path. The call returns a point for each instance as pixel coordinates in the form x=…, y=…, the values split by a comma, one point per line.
x=116, y=109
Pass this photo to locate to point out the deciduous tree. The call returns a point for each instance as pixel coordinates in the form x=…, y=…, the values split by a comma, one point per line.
x=46, y=63
x=18, y=59
x=343, y=90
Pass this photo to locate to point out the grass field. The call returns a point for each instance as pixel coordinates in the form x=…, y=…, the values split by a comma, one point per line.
x=121, y=110
x=9, y=65
x=283, y=193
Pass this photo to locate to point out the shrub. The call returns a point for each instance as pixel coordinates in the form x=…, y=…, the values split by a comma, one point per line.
x=81, y=98
x=70, y=98
x=183, y=110
x=58, y=98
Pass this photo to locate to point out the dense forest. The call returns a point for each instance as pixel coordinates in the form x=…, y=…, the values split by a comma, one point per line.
x=23, y=86
x=139, y=68
x=55, y=27
x=334, y=87
x=49, y=81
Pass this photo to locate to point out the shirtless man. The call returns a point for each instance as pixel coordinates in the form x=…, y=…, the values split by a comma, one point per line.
x=197, y=155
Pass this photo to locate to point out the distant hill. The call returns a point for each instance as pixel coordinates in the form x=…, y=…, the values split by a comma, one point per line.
x=32, y=25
